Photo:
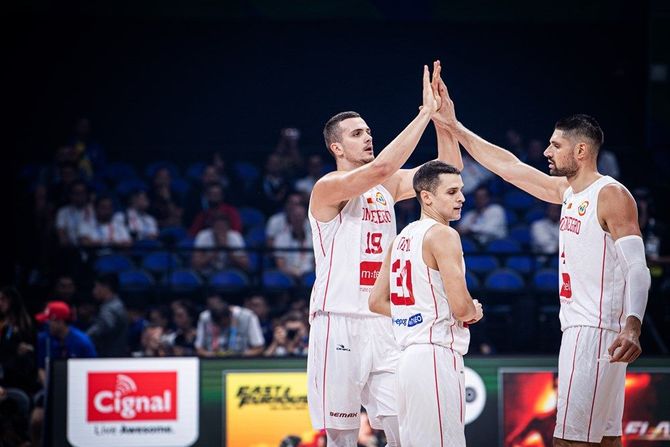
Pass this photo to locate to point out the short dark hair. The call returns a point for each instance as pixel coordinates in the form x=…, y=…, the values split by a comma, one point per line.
x=428, y=176
x=331, y=131
x=109, y=280
x=584, y=126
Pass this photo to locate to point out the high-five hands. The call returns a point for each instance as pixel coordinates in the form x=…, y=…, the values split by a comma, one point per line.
x=431, y=99
x=445, y=116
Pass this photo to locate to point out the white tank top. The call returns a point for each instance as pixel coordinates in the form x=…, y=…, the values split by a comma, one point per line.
x=349, y=251
x=590, y=279
x=419, y=307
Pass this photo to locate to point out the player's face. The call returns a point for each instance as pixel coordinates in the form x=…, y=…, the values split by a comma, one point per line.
x=356, y=141
x=448, y=198
x=560, y=154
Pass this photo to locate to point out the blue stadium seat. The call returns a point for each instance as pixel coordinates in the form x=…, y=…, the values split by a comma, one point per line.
x=180, y=186
x=127, y=186
x=229, y=280
x=518, y=200
x=183, y=280
x=160, y=262
x=505, y=245
x=274, y=279
x=246, y=172
x=251, y=217
x=481, y=263
x=118, y=171
x=472, y=281
x=521, y=234
x=469, y=246
x=546, y=280
x=512, y=217
x=172, y=235
x=145, y=246
x=152, y=168
x=521, y=263
x=534, y=214
x=113, y=263
x=308, y=279
x=504, y=280
x=135, y=280
x=255, y=237
x=194, y=171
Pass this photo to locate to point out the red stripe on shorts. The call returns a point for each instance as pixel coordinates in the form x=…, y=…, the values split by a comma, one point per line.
x=595, y=388
x=602, y=282
x=567, y=403
x=325, y=365
x=437, y=397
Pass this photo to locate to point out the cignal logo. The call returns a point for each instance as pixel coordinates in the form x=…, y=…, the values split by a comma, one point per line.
x=132, y=396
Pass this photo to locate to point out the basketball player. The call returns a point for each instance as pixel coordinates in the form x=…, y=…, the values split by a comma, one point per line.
x=352, y=355
x=421, y=286
x=604, y=279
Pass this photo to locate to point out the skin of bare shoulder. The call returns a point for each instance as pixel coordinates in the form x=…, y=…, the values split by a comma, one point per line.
x=440, y=241
x=617, y=211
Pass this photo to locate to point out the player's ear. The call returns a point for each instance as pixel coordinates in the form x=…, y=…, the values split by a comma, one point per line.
x=337, y=149
x=426, y=197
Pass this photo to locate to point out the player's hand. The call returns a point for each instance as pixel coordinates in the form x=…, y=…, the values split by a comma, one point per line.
x=626, y=347
x=446, y=115
x=479, y=312
x=431, y=103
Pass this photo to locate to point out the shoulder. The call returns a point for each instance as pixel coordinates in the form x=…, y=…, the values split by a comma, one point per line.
x=439, y=234
x=613, y=192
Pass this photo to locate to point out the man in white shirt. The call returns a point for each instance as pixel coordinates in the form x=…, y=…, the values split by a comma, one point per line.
x=278, y=222
x=487, y=221
x=544, y=232
x=104, y=231
x=219, y=235
x=140, y=224
x=295, y=263
x=71, y=217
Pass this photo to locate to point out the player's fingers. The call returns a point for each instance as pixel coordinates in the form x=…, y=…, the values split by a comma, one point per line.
x=426, y=77
x=621, y=353
x=613, y=346
x=629, y=354
x=637, y=353
x=446, y=90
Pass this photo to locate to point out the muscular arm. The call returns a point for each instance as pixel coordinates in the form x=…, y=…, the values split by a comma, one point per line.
x=617, y=214
x=380, y=297
x=442, y=249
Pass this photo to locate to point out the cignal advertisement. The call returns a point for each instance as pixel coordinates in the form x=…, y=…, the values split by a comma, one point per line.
x=133, y=402
x=528, y=404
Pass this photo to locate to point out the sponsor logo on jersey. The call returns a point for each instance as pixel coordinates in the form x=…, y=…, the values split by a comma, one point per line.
x=570, y=224
x=414, y=320
x=380, y=198
x=369, y=272
x=342, y=348
x=132, y=396
x=376, y=216
x=582, y=207
x=566, y=286
x=400, y=321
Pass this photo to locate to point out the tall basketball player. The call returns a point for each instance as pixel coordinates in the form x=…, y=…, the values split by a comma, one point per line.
x=352, y=355
x=603, y=275
x=421, y=286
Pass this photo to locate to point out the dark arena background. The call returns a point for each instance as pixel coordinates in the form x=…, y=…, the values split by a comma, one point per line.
x=166, y=118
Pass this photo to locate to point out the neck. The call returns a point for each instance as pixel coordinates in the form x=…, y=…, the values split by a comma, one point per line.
x=583, y=178
x=429, y=213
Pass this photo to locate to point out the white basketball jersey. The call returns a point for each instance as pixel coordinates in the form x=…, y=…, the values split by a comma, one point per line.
x=419, y=307
x=590, y=279
x=349, y=251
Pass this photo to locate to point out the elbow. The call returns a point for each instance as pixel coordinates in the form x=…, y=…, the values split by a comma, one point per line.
x=381, y=170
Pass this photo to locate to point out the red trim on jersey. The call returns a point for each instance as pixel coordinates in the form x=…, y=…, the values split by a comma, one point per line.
x=318, y=228
x=430, y=282
x=437, y=396
x=451, y=346
x=325, y=365
x=458, y=377
x=567, y=403
x=602, y=282
x=330, y=269
x=595, y=388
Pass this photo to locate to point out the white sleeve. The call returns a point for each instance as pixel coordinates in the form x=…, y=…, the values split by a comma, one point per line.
x=630, y=251
x=256, y=338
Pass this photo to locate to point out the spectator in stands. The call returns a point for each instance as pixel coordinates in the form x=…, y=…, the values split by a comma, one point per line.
x=515, y=143
x=136, y=325
x=608, y=163
x=305, y=184
x=166, y=204
x=90, y=155
x=649, y=226
x=161, y=316
x=72, y=217
x=219, y=235
x=295, y=263
x=67, y=173
x=14, y=413
x=141, y=225
x=182, y=340
x=109, y=332
x=259, y=305
x=288, y=152
x=65, y=289
x=290, y=336
x=105, y=231
x=473, y=174
x=544, y=232
x=58, y=339
x=223, y=176
x=278, y=222
x=39, y=239
x=228, y=330
x=152, y=343
x=17, y=343
x=487, y=221
x=215, y=205
x=274, y=186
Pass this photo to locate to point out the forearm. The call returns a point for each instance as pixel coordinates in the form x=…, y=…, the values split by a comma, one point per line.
x=398, y=151
x=492, y=157
x=448, y=149
x=633, y=325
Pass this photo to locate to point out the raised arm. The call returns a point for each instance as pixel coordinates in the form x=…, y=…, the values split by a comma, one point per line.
x=333, y=189
x=498, y=160
x=442, y=248
x=379, y=300
x=617, y=213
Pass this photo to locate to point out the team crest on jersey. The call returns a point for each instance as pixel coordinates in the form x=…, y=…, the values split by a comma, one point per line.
x=380, y=198
x=582, y=207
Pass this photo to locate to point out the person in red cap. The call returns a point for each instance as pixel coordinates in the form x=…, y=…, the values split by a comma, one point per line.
x=60, y=340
